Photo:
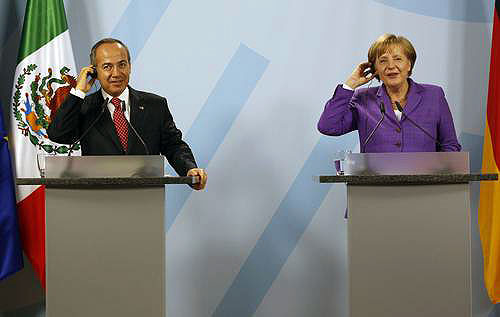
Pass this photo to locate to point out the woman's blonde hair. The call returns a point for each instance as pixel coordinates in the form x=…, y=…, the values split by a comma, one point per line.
x=385, y=42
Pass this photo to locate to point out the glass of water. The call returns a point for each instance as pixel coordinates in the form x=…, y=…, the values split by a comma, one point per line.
x=339, y=160
x=40, y=160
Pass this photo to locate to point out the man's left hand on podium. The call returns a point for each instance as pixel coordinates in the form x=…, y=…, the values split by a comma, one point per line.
x=202, y=177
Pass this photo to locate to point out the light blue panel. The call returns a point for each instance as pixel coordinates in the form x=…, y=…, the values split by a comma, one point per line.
x=473, y=144
x=90, y=21
x=138, y=22
x=217, y=115
x=462, y=10
x=11, y=16
x=283, y=232
x=11, y=23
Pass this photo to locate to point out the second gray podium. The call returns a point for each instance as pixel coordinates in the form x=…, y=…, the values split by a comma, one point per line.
x=409, y=244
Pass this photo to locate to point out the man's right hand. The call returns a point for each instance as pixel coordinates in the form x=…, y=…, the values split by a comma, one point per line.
x=83, y=83
x=360, y=76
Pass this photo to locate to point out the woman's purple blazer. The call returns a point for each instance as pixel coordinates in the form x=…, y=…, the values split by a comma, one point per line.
x=360, y=110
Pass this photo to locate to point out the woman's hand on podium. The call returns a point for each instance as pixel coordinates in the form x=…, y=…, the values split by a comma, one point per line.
x=202, y=175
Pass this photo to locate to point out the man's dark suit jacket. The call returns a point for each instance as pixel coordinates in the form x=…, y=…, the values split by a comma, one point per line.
x=149, y=115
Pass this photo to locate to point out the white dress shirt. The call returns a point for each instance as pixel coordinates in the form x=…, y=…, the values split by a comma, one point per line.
x=123, y=97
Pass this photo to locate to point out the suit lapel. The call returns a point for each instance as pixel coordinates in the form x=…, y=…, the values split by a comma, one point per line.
x=136, y=120
x=106, y=125
x=414, y=97
x=413, y=100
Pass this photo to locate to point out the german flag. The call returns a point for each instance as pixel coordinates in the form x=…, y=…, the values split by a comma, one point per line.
x=489, y=202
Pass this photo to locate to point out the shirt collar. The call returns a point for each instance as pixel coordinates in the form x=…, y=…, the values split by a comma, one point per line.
x=123, y=97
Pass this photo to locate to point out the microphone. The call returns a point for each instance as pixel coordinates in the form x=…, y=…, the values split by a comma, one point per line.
x=135, y=131
x=103, y=106
x=398, y=105
x=382, y=110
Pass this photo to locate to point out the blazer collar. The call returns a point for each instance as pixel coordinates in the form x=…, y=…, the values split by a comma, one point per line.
x=107, y=126
x=414, y=97
x=136, y=108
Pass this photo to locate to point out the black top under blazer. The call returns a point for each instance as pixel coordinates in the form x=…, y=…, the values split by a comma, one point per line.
x=149, y=115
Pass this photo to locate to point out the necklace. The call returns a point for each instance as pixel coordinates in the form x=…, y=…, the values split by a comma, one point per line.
x=402, y=102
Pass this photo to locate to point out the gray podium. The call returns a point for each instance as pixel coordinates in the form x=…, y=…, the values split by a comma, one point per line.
x=105, y=235
x=408, y=233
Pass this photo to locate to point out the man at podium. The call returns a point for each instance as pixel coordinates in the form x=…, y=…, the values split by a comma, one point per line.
x=117, y=119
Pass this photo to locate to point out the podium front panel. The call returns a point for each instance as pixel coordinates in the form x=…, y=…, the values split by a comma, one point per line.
x=105, y=252
x=409, y=250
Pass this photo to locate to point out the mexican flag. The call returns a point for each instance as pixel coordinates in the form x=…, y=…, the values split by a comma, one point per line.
x=45, y=74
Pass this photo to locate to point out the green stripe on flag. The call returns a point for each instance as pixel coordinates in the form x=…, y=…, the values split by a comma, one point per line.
x=43, y=21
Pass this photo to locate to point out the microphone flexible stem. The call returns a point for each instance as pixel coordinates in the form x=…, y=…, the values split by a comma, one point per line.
x=398, y=105
x=135, y=131
x=139, y=137
x=382, y=110
x=372, y=133
x=103, y=106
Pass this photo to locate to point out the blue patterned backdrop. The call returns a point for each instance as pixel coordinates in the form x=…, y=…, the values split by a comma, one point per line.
x=246, y=82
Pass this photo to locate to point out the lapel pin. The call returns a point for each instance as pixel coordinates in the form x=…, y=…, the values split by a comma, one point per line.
x=141, y=107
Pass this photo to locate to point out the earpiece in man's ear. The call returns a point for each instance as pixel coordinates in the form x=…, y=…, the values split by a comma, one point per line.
x=94, y=73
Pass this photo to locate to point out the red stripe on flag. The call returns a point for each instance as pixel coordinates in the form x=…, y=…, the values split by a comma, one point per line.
x=493, y=111
x=31, y=212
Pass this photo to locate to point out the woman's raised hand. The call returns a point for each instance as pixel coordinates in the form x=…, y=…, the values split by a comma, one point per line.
x=362, y=74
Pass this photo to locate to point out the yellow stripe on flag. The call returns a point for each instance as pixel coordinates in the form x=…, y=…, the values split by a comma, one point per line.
x=489, y=221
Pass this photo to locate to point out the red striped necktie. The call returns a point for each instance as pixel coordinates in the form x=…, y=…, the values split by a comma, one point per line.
x=120, y=121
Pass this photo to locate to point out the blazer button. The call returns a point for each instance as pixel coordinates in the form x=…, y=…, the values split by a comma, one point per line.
x=398, y=130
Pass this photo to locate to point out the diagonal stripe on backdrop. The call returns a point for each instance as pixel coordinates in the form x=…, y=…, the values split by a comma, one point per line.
x=460, y=10
x=222, y=106
x=138, y=22
x=217, y=115
x=283, y=232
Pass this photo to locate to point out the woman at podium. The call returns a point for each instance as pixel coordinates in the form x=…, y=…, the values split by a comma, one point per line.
x=400, y=115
